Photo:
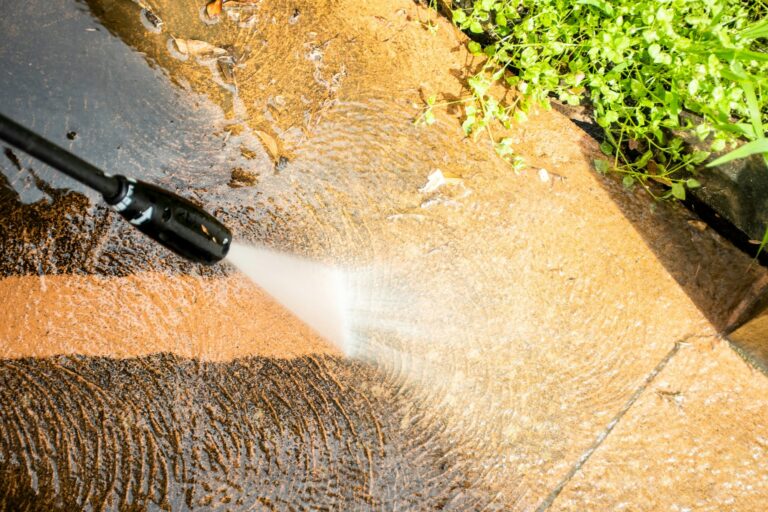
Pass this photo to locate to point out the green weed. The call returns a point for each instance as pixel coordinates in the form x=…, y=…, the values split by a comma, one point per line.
x=640, y=65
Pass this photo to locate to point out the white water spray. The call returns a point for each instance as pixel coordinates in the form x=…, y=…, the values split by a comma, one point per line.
x=315, y=293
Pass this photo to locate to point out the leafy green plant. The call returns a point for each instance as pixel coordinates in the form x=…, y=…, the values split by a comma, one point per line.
x=640, y=65
x=430, y=24
x=478, y=120
x=763, y=243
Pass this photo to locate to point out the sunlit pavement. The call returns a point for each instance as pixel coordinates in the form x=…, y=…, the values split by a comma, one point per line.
x=541, y=340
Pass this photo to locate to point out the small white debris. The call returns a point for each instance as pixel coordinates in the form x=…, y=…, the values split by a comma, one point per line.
x=437, y=179
x=406, y=216
x=434, y=182
x=544, y=175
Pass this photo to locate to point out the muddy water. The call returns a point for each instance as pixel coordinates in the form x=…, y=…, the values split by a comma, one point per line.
x=492, y=341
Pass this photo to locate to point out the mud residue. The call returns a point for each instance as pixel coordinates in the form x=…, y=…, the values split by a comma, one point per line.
x=59, y=233
x=253, y=434
x=279, y=73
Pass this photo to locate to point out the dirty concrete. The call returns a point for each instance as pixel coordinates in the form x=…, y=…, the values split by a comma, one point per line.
x=170, y=433
x=502, y=321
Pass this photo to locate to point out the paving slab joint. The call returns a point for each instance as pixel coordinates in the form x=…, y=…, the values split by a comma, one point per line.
x=547, y=503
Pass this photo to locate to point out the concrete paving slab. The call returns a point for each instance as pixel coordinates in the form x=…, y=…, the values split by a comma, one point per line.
x=514, y=315
x=695, y=440
x=186, y=315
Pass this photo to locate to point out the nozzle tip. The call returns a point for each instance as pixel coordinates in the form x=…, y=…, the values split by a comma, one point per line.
x=175, y=222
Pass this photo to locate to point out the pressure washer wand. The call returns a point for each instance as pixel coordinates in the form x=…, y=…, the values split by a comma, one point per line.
x=175, y=222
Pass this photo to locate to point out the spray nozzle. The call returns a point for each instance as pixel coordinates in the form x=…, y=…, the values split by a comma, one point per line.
x=175, y=222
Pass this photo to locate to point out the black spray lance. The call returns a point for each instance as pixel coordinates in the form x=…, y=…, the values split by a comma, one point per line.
x=175, y=222
x=313, y=292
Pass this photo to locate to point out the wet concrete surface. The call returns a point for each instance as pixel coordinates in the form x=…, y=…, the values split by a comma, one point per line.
x=502, y=322
x=172, y=433
x=199, y=322
x=695, y=440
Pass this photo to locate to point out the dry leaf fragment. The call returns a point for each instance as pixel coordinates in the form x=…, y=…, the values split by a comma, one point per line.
x=699, y=225
x=198, y=48
x=213, y=8
x=270, y=144
x=242, y=178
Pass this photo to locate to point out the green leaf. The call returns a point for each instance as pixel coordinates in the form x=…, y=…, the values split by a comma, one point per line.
x=654, y=51
x=718, y=145
x=468, y=125
x=738, y=72
x=735, y=54
x=699, y=156
x=645, y=159
x=475, y=27
x=479, y=85
x=459, y=16
x=606, y=148
x=755, y=116
x=602, y=166
x=762, y=244
x=678, y=191
x=742, y=129
x=604, y=6
x=475, y=47
x=628, y=181
x=692, y=183
x=504, y=147
x=693, y=86
x=756, y=30
x=751, y=148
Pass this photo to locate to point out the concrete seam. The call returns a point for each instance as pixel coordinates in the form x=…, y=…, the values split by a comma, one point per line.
x=609, y=428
